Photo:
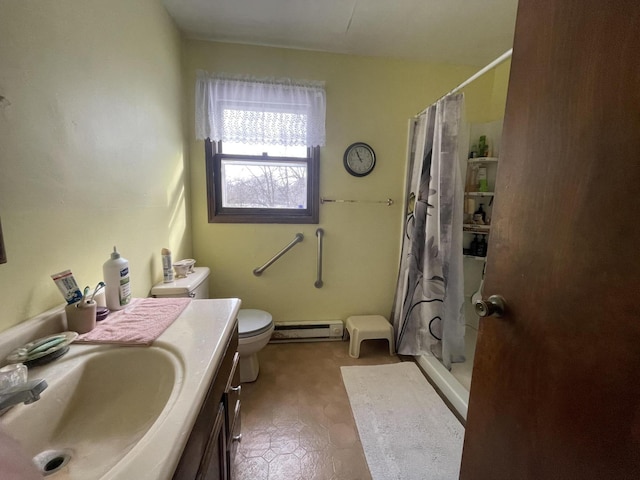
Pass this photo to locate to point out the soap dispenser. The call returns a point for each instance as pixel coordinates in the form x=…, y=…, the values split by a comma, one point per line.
x=482, y=215
x=474, y=246
x=116, y=278
x=482, y=247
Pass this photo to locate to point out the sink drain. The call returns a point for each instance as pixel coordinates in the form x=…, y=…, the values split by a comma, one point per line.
x=51, y=461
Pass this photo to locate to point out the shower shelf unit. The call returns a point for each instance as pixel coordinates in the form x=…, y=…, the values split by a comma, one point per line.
x=479, y=194
x=486, y=198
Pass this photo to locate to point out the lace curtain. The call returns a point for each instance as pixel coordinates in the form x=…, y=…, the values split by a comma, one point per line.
x=261, y=111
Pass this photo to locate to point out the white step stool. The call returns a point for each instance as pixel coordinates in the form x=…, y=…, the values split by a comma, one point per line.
x=368, y=327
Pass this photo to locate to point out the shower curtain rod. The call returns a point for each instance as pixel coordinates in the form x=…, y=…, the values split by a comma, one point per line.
x=476, y=75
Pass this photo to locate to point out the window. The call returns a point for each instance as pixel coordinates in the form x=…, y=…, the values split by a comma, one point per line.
x=262, y=139
x=272, y=187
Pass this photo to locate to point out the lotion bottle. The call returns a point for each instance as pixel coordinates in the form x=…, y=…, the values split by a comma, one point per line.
x=116, y=277
x=167, y=266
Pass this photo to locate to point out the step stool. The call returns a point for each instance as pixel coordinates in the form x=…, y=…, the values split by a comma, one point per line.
x=368, y=327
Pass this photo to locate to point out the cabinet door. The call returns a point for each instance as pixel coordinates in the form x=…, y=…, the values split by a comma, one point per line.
x=214, y=462
x=233, y=418
x=190, y=466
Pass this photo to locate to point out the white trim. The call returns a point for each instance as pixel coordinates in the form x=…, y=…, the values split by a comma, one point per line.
x=450, y=387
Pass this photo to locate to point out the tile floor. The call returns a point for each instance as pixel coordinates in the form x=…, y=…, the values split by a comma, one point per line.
x=296, y=418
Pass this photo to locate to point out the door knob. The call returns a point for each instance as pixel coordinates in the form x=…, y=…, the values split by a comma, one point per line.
x=494, y=305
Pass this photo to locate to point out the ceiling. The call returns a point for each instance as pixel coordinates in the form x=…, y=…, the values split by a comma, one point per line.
x=468, y=32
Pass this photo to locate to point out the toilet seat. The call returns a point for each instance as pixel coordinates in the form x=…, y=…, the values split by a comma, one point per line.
x=253, y=322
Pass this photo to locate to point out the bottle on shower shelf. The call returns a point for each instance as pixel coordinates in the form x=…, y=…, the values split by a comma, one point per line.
x=483, y=186
x=483, y=146
x=479, y=216
x=473, y=248
x=482, y=212
x=482, y=247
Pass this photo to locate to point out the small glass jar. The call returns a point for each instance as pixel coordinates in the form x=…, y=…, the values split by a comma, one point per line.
x=12, y=375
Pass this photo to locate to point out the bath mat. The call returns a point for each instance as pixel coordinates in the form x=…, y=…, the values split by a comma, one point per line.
x=407, y=431
x=140, y=323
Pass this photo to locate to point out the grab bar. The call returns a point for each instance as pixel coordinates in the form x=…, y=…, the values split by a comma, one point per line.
x=258, y=271
x=319, y=234
x=388, y=202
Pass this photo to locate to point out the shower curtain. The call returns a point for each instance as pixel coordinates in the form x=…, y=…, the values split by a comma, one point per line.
x=428, y=311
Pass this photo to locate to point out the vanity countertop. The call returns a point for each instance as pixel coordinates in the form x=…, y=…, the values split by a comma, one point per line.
x=195, y=342
x=199, y=337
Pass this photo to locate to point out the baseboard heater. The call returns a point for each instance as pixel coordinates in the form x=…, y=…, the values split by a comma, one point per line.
x=307, y=331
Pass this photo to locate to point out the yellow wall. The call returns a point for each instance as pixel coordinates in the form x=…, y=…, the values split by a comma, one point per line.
x=486, y=97
x=92, y=149
x=369, y=100
x=92, y=154
x=499, y=89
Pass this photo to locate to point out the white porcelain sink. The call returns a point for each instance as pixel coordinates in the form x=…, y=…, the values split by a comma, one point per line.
x=100, y=402
x=119, y=412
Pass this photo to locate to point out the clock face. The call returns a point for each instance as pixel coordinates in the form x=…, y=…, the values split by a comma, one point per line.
x=359, y=159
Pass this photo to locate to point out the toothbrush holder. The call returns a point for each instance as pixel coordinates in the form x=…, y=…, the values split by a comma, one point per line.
x=81, y=316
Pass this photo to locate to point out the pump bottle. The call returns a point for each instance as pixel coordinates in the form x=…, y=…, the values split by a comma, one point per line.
x=116, y=277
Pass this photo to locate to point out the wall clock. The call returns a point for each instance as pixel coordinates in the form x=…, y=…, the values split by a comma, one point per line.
x=359, y=159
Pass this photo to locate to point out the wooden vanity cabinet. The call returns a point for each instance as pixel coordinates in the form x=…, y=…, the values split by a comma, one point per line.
x=232, y=410
x=209, y=452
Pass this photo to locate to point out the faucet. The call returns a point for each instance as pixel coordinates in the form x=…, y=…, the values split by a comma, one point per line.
x=26, y=393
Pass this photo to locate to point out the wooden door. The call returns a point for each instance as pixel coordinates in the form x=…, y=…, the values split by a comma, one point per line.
x=556, y=381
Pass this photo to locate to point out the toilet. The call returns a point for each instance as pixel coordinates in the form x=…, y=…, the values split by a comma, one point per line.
x=254, y=326
x=194, y=285
x=254, y=330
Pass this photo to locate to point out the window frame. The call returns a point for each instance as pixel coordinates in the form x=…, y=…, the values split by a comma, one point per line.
x=219, y=214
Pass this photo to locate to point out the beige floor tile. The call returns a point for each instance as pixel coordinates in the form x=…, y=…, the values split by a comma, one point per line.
x=343, y=435
x=284, y=441
x=350, y=463
x=313, y=415
x=339, y=411
x=296, y=419
x=314, y=438
x=317, y=465
x=253, y=468
x=284, y=467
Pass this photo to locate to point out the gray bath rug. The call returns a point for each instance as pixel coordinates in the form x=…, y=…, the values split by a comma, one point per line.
x=406, y=430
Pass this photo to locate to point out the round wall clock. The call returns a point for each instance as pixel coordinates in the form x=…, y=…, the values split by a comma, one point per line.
x=359, y=159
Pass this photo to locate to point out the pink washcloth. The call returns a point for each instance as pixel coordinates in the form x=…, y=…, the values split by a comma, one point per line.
x=140, y=323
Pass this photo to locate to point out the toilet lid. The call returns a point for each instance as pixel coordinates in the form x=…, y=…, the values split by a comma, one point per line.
x=253, y=322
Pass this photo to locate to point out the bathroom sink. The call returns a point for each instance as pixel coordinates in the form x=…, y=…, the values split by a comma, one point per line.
x=100, y=403
x=114, y=412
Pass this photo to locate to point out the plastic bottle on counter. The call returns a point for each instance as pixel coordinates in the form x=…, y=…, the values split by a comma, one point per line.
x=118, y=285
x=167, y=266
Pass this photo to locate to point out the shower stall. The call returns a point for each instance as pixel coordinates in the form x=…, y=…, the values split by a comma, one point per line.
x=440, y=275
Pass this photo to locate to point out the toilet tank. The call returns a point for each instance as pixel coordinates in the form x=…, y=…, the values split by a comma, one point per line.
x=194, y=285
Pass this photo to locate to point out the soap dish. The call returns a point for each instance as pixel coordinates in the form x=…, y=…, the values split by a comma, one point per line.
x=42, y=350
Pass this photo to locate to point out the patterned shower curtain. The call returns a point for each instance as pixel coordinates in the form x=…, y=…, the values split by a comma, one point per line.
x=429, y=303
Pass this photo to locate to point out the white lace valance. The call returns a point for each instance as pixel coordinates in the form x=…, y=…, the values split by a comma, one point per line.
x=260, y=110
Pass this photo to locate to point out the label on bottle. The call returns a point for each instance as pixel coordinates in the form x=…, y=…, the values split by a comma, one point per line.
x=125, y=287
x=167, y=269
